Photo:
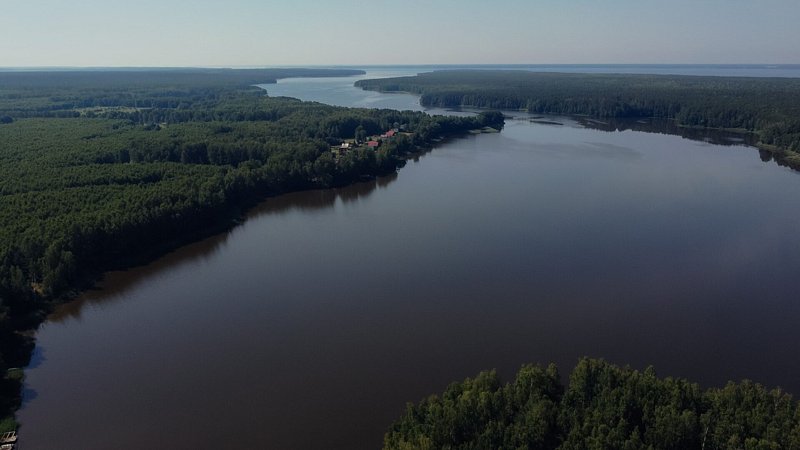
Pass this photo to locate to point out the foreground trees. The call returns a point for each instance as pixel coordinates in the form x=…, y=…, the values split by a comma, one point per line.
x=602, y=407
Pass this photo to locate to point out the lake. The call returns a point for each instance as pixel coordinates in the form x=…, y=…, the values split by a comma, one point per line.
x=312, y=323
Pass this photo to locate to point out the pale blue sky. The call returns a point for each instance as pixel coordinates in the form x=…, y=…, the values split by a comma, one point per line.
x=315, y=32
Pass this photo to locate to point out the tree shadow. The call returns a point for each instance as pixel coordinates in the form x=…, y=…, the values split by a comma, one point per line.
x=114, y=285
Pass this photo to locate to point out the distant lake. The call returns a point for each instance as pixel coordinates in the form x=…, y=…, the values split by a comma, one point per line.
x=311, y=324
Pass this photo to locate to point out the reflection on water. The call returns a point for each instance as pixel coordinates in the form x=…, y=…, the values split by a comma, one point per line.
x=590, y=149
x=712, y=136
x=116, y=284
x=321, y=198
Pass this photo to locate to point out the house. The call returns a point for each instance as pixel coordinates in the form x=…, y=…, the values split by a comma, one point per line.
x=342, y=149
x=390, y=133
x=373, y=144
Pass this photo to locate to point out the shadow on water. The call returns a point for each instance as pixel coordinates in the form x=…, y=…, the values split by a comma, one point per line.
x=765, y=155
x=114, y=285
x=37, y=358
x=655, y=126
x=318, y=199
x=658, y=126
x=669, y=127
x=28, y=394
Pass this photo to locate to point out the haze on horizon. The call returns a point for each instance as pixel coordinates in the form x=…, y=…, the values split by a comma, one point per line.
x=170, y=33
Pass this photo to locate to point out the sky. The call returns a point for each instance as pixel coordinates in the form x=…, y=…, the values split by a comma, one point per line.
x=234, y=33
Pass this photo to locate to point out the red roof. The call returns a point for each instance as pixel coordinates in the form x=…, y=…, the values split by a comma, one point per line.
x=373, y=144
x=390, y=133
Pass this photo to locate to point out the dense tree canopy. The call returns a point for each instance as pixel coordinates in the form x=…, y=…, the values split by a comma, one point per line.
x=602, y=407
x=100, y=168
x=769, y=107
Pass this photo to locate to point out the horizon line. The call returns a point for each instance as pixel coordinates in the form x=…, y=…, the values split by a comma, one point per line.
x=275, y=66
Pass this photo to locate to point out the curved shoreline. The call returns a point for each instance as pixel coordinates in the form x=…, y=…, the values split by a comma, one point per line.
x=716, y=103
x=223, y=218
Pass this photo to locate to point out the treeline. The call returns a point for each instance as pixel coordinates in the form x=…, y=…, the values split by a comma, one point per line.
x=80, y=195
x=602, y=407
x=72, y=93
x=769, y=107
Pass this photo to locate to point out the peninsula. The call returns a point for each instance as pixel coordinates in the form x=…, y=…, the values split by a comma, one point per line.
x=101, y=170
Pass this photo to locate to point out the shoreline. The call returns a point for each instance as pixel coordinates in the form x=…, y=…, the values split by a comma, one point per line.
x=437, y=89
x=232, y=215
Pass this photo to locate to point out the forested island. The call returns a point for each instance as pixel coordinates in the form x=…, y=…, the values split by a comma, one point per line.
x=103, y=169
x=603, y=406
x=767, y=107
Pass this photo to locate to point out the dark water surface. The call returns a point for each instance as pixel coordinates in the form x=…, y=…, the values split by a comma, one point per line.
x=314, y=322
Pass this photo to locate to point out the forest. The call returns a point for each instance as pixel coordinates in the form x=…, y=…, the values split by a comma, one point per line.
x=767, y=107
x=603, y=406
x=101, y=170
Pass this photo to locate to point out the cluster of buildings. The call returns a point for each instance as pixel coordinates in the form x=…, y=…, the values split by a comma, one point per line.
x=372, y=142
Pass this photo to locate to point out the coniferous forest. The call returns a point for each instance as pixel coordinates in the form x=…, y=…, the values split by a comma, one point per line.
x=100, y=170
x=603, y=406
x=768, y=107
